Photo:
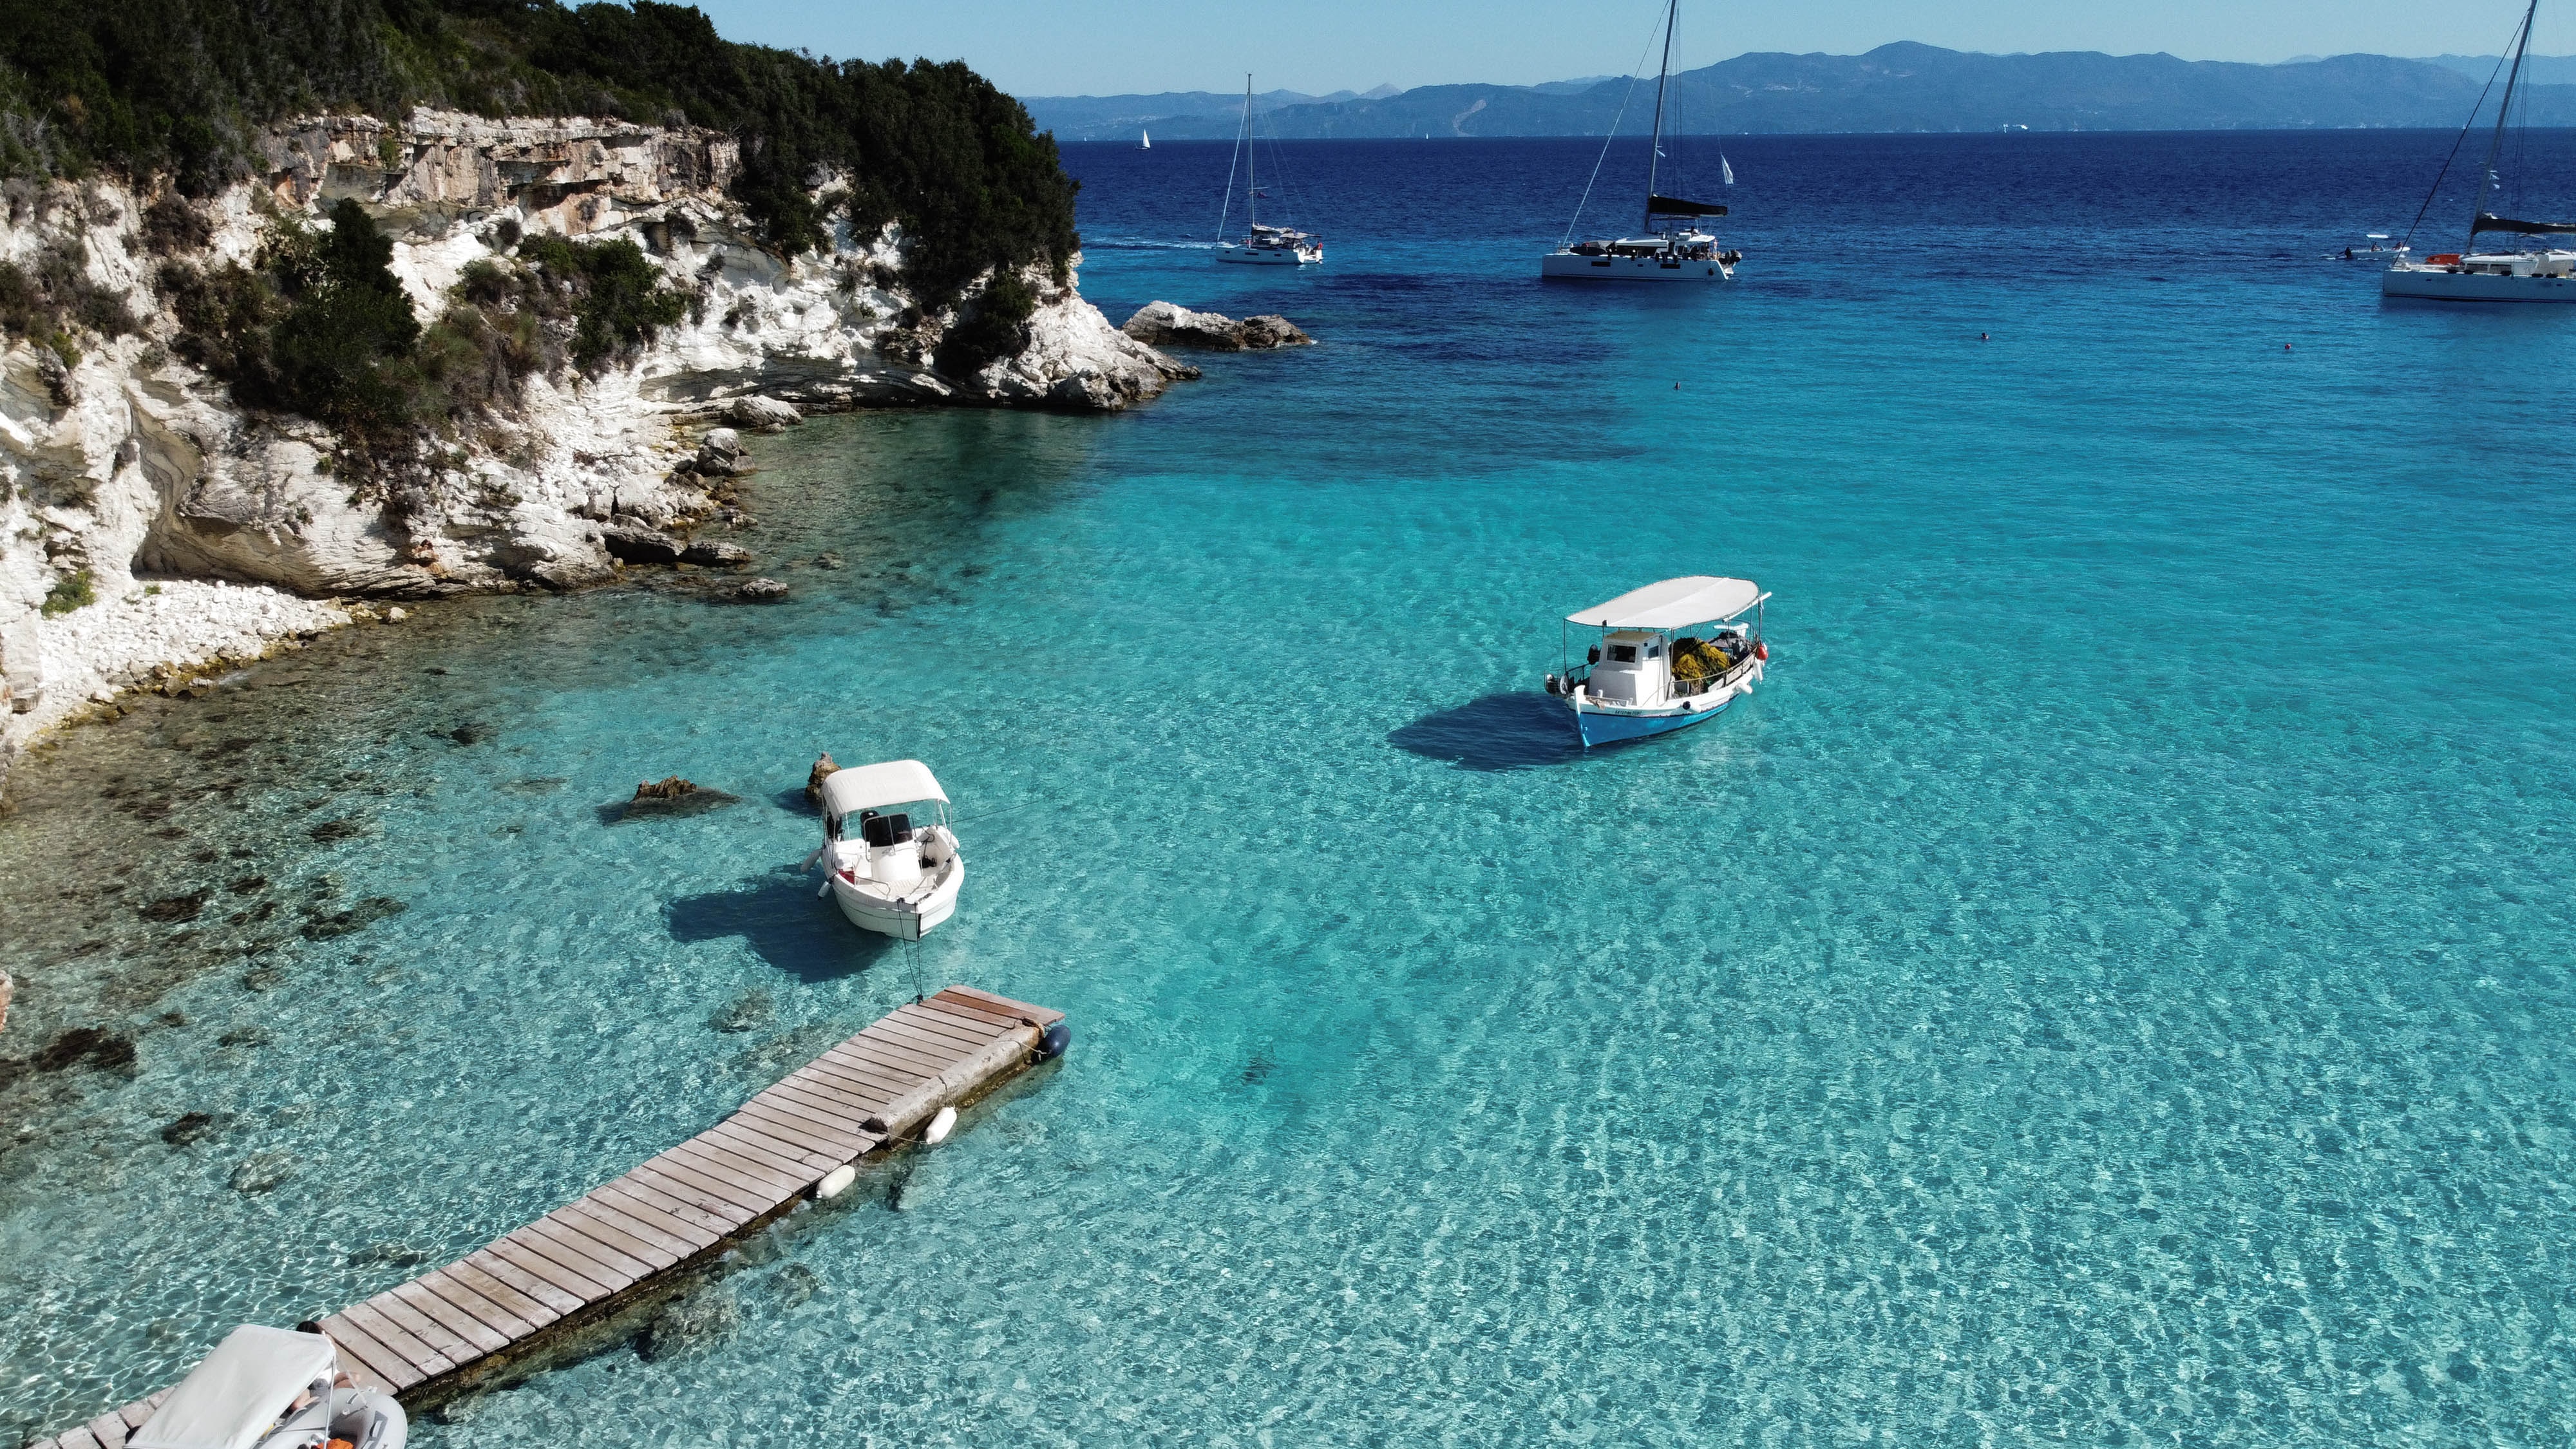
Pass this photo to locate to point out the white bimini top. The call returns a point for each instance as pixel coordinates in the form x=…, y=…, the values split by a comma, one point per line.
x=874, y=787
x=240, y=1391
x=1672, y=604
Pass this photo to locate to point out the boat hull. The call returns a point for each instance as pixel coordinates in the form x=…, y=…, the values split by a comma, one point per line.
x=872, y=912
x=1268, y=256
x=2440, y=286
x=1599, y=726
x=1571, y=267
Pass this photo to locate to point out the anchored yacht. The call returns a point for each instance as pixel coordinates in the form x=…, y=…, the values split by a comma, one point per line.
x=1270, y=246
x=1673, y=248
x=2543, y=275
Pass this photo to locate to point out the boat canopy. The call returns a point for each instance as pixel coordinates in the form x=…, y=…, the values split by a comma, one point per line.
x=242, y=1389
x=1672, y=604
x=874, y=787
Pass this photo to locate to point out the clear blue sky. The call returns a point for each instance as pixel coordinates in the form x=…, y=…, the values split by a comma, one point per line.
x=1085, y=47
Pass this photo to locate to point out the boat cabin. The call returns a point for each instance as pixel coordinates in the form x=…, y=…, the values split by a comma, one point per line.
x=1664, y=644
x=883, y=822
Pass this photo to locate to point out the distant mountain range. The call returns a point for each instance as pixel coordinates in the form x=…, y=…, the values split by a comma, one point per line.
x=1901, y=87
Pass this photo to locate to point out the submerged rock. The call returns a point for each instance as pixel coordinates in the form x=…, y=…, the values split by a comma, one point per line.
x=353, y=920
x=86, y=1046
x=1166, y=325
x=176, y=908
x=749, y=1010
x=693, y=1323
x=262, y=1171
x=760, y=591
x=794, y=1284
x=188, y=1128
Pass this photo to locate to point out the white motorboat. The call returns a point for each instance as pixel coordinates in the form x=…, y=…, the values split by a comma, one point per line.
x=2469, y=275
x=1673, y=249
x=1266, y=246
x=267, y=1388
x=890, y=873
x=1650, y=673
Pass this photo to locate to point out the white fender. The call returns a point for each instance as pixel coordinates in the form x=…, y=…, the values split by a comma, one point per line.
x=836, y=1182
x=940, y=1127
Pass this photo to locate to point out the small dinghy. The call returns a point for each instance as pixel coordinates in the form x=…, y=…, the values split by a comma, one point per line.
x=891, y=875
x=1650, y=673
x=267, y=1388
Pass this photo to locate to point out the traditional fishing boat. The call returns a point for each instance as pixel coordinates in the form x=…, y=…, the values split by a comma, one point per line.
x=888, y=874
x=1672, y=248
x=1649, y=672
x=267, y=1388
x=1269, y=246
x=2541, y=274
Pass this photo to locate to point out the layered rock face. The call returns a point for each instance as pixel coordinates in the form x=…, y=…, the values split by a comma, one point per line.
x=128, y=466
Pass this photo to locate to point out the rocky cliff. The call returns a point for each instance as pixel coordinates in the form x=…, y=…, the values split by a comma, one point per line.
x=130, y=478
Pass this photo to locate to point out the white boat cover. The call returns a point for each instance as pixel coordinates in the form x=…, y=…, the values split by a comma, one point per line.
x=1672, y=604
x=243, y=1388
x=874, y=787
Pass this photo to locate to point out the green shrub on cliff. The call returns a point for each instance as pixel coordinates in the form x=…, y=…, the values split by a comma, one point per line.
x=618, y=300
x=181, y=87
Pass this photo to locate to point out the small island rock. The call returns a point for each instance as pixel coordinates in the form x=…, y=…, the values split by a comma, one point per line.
x=1162, y=324
x=814, y=778
x=760, y=591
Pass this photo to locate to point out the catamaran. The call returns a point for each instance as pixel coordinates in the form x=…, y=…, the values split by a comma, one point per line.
x=2543, y=275
x=1650, y=672
x=1673, y=248
x=1274, y=246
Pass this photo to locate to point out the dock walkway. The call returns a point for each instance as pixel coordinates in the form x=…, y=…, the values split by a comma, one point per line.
x=678, y=1209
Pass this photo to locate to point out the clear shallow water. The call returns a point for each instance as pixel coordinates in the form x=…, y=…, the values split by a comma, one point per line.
x=2111, y=984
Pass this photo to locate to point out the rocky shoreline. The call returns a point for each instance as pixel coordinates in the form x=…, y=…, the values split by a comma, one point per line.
x=152, y=529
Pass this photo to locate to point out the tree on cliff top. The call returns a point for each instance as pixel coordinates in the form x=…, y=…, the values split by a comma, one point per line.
x=181, y=87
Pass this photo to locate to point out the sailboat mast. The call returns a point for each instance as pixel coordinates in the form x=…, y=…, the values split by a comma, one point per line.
x=1252, y=158
x=1655, y=149
x=2487, y=179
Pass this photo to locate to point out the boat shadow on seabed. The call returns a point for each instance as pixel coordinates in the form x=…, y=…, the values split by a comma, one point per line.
x=1520, y=730
x=776, y=915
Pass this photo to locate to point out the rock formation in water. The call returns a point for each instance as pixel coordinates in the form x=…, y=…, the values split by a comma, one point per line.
x=1164, y=324
x=131, y=472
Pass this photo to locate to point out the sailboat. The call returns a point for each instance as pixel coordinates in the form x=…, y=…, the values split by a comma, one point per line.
x=2547, y=275
x=1144, y=140
x=1672, y=248
x=1275, y=246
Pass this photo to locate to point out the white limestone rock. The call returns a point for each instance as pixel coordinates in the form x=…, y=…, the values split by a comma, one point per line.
x=131, y=466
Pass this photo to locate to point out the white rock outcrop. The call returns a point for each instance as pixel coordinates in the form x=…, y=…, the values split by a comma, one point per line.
x=129, y=466
x=1167, y=324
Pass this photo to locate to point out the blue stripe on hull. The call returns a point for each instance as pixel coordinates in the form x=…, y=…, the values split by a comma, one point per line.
x=1597, y=728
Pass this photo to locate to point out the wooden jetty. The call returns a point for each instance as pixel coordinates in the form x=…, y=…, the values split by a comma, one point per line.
x=579, y=1262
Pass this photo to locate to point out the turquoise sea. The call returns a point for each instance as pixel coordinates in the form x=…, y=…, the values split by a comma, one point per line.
x=2111, y=985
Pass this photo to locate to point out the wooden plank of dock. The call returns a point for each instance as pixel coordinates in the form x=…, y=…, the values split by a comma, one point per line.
x=672, y=1211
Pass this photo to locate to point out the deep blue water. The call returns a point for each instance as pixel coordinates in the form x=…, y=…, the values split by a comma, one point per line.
x=2110, y=985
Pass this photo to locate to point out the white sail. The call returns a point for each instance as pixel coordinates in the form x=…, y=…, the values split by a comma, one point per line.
x=1144, y=140
x=1725, y=170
